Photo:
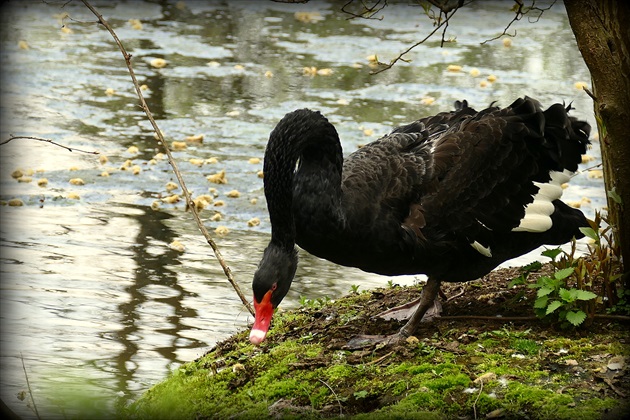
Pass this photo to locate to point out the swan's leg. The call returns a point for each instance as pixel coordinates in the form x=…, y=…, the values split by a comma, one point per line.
x=404, y=312
x=427, y=298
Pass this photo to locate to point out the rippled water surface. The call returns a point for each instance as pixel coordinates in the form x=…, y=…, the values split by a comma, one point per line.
x=94, y=301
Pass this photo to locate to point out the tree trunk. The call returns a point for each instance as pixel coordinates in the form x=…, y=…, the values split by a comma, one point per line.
x=602, y=33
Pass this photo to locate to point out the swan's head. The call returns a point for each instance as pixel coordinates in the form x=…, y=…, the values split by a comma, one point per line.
x=271, y=283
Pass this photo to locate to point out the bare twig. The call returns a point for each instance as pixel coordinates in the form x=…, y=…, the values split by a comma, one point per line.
x=335, y=394
x=519, y=11
x=368, y=11
x=477, y=400
x=402, y=54
x=621, y=318
x=189, y=202
x=28, y=384
x=12, y=137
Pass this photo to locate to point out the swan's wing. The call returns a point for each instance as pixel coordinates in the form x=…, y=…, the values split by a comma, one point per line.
x=489, y=169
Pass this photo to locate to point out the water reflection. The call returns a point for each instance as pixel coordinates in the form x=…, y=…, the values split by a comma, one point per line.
x=93, y=298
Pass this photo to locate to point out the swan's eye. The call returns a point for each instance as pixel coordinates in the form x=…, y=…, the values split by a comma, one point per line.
x=274, y=287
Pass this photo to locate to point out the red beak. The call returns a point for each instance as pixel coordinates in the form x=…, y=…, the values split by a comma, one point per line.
x=264, y=312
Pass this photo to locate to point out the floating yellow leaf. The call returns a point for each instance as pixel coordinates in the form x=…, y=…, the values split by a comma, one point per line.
x=171, y=199
x=233, y=194
x=212, y=160
x=179, y=145
x=216, y=217
x=15, y=202
x=474, y=72
x=73, y=196
x=307, y=17
x=102, y=159
x=260, y=174
x=25, y=179
x=155, y=205
x=454, y=68
x=135, y=24
x=507, y=42
x=255, y=221
x=492, y=78
x=170, y=186
x=136, y=169
x=253, y=201
x=17, y=173
x=222, y=230
x=580, y=85
x=104, y=174
x=309, y=71
x=324, y=72
x=177, y=246
x=254, y=160
x=197, y=138
x=219, y=203
x=133, y=150
x=427, y=100
x=23, y=45
x=77, y=181
x=158, y=63
x=66, y=30
x=195, y=161
x=200, y=203
x=42, y=182
x=269, y=74
x=218, y=178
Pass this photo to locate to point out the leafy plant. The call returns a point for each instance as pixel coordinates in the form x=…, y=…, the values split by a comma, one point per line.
x=522, y=279
x=554, y=295
x=314, y=303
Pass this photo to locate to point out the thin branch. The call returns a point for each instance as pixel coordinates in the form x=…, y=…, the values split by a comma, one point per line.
x=12, y=137
x=368, y=11
x=400, y=56
x=519, y=11
x=28, y=385
x=335, y=394
x=189, y=202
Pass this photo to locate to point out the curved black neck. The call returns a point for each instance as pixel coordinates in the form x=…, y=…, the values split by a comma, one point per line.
x=307, y=140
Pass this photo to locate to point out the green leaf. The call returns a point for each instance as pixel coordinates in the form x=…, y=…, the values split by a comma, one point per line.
x=564, y=273
x=553, y=306
x=615, y=197
x=544, y=291
x=576, y=317
x=551, y=253
x=590, y=232
x=516, y=281
x=567, y=295
x=585, y=295
x=541, y=302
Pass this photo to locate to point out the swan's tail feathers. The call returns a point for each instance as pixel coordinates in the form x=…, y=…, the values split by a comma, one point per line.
x=563, y=141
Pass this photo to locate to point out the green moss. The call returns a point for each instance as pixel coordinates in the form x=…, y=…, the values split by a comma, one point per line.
x=290, y=377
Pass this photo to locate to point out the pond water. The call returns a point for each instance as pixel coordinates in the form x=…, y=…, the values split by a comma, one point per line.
x=96, y=306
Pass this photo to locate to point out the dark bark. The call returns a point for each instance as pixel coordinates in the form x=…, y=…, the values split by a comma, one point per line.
x=603, y=36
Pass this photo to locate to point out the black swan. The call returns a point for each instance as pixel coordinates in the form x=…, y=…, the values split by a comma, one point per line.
x=450, y=196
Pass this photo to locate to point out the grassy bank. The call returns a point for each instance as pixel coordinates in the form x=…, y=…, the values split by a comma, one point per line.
x=454, y=368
